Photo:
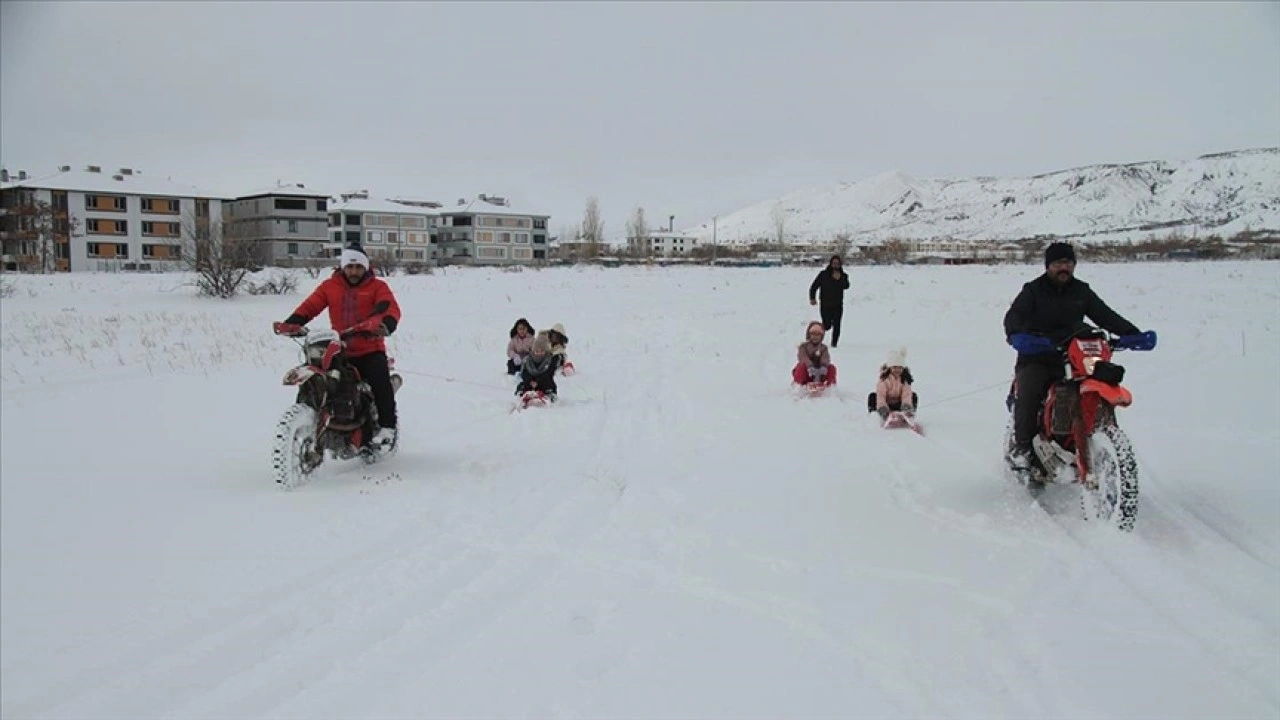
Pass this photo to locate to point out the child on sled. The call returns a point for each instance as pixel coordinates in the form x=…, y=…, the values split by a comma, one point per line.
x=519, y=346
x=814, y=359
x=559, y=340
x=538, y=372
x=893, y=389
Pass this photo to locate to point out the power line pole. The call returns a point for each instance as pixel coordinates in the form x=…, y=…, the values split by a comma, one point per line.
x=715, y=242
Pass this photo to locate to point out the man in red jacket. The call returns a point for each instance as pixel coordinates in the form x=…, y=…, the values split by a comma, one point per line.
x=357, y=300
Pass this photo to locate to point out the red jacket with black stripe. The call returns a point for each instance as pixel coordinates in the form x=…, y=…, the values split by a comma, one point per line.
x=350, y=305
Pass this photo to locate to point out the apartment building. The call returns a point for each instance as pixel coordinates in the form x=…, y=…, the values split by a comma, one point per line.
x=90, y=219
x=662, y=243
x=288, y=223
x=403, y=230
x=488, y=231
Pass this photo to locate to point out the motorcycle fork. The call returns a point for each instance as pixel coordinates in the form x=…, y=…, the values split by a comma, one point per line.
x=1086, y=420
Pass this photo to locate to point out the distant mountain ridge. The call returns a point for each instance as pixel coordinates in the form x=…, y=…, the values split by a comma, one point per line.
x=1220, y=194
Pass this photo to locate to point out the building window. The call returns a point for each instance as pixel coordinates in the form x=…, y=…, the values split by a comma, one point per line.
x=409, y=221
x=291, y=204
x=540, y=224
x=160, y=229
x=353, y=237
x=335, y=220
x=293, y=226
x=522, y=253
x=202, y=208
x=491, y=252
x=98, y=226
x=107, y=250
x=462, y=221
x=161, y=252
x=322, y=205
x=353, y=219
x=484, y=236
x=373, y=237
x=522, y=238
x=105, y=203
x=293, y=248
x=539, y=239
x=336, y=238
x=393, y=236
x=160, y=206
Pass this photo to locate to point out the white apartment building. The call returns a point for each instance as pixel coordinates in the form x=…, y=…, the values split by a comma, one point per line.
x=662, y=243
x=384, y=228
x=101, y=220
x=489, y=231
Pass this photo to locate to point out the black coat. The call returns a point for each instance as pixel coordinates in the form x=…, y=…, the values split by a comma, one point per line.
x=538, y=374
x=1056, y=312
x=831, y=290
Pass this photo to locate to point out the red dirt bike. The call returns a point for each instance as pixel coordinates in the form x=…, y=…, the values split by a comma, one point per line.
x=1078, y=440
x=334, y=410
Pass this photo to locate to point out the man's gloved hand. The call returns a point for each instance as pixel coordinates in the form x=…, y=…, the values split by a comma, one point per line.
x=288, y=329
x=1028, y=344
x=372, y=326
x=1141, y=341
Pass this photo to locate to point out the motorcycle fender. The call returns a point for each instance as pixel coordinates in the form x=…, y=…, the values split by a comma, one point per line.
x=1117, y=395
x=299, y=375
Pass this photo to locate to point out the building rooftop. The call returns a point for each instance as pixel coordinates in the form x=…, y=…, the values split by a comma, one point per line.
x=373, y=205
x=286, y=189
x=110, y=180
x=477, y=206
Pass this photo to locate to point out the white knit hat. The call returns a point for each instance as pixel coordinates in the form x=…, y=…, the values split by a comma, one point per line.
x=354, y=257
x=897, y=357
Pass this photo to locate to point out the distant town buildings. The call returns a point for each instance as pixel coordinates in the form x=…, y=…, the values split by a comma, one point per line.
x=91, y=219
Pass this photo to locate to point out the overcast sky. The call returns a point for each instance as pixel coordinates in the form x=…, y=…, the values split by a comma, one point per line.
x=686, y=109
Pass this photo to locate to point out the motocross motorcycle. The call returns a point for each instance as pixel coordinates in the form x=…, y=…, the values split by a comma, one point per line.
x=1078, y=439
x=333, y=412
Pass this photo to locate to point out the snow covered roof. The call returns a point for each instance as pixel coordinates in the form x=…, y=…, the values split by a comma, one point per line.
x=373, y=205
x=286, y=189
x=477, y=206
x=111, y=181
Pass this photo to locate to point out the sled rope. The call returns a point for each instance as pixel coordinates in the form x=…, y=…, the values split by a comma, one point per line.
x=992, y=386
x=452, y=380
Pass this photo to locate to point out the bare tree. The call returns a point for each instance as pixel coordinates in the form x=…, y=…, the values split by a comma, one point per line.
x=220, y=258
x=592, y=227
x=779, y=217
x=894, y=250
x=387, y=260
x=842, y=244
x=638, y=233
x=38, y=229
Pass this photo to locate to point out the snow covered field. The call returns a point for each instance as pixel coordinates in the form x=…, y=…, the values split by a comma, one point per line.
x=679, y=537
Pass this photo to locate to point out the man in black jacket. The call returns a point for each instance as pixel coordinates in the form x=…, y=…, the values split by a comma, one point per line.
x=1053, y=305
x=832, y=282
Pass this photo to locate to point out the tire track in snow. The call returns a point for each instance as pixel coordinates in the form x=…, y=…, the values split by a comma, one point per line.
x=135, y=680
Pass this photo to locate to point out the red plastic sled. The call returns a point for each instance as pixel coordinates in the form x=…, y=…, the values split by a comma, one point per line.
x=897, y=420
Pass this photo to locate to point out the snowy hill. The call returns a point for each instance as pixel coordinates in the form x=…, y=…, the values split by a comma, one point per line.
x=1219, y=194
x=677, y=538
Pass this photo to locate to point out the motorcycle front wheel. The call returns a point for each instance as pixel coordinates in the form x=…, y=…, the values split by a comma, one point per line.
x=1114, y=469
x=294, y=455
